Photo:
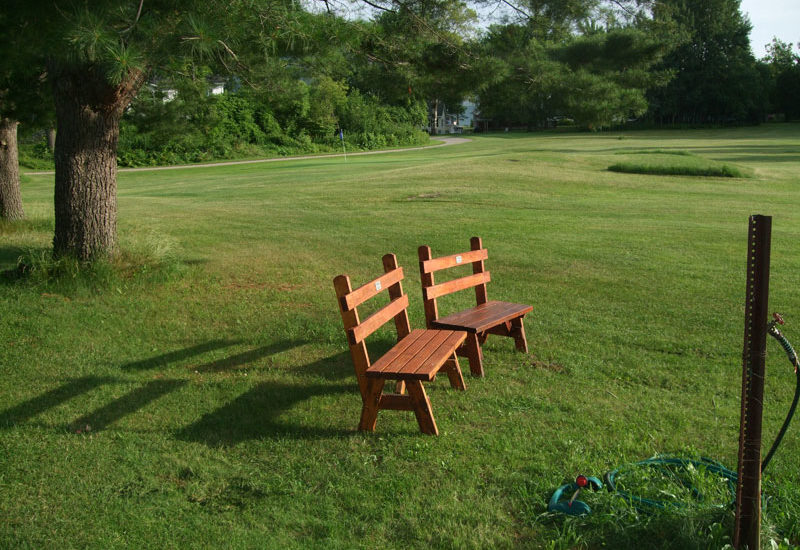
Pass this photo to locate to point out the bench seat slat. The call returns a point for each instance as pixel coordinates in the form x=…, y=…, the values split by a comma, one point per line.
x=425, y=358
x=403, y=351
x=455, y=285
x=451, y=341
x=482, y=317
x=418, y=356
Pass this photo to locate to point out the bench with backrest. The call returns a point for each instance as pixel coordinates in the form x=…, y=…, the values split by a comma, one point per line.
x=416, y=358
x=487, y=317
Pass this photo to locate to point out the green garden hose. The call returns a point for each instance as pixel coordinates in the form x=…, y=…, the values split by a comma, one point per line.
x=670, y=466
x=787, y=347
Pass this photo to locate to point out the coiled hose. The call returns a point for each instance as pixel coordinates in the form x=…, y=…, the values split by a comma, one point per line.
x=666, y=464
x=787, y=347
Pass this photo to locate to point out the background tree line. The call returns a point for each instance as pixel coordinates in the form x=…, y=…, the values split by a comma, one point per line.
x=128, y=81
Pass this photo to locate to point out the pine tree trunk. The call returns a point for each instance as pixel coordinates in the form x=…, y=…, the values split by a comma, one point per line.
x=88, y=111
x=10, y=198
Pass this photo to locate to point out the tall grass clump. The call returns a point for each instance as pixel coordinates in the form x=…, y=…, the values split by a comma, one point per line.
x=661, y=162
x=151, y=259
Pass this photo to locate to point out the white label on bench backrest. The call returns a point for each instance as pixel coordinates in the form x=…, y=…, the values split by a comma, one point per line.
x=378, y=285
x=458, y=259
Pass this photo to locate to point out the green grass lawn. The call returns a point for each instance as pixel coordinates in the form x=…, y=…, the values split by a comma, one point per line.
x=219, y=395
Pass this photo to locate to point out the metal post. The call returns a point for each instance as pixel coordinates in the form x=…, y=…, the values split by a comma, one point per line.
x=747, y=529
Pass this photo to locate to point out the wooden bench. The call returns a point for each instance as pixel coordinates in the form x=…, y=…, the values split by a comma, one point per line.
x=416, y=358
x=487, y=317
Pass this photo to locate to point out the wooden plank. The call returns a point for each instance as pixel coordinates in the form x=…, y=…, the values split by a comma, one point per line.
x=431, y=310
x=385, y=362
x=370, y=289
x=369, y=409
x=481, y=297
x=422, y=408
x=456, y=338
x=442, y=289
x=395, y=402
x=463, y=258
x=483, y=317
x=426, y=362
x=473, y=319
x=472, y=350
x=376, y=320
x=483, y=314
x=453, y=370
x=435, y=355
x=396, y=291
x=421, y=361
x=402, y=353
x=358, y=352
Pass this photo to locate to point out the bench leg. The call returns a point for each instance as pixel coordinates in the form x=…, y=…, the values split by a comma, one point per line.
x=400, y=387
x=453, y=371
x=518, y=333
x=369, y=411
x=472, y=350
x=422, y=407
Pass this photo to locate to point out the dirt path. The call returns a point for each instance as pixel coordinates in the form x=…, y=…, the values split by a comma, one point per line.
x=445, y=142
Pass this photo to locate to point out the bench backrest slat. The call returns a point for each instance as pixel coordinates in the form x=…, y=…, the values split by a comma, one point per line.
x=357, y=330
x=431, y=291
x=371, y=289
x=375, y=321
x=443, y=289
x=445, y=262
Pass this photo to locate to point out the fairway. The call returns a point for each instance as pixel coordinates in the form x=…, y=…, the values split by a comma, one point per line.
x=218, y=388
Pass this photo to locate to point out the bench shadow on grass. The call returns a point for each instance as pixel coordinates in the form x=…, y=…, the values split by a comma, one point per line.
x=256, y=414
x=50, y=399
x=165, y=359
x=129, y=403
x=98, y=419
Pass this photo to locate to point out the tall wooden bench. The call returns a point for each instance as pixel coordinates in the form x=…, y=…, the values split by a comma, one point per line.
x=416, y=358
x=487, y=317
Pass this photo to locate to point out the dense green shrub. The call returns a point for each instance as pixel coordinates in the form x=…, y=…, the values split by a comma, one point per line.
x=301, y=118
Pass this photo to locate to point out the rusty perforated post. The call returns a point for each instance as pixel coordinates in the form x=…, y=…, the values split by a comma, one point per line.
x=747, y=528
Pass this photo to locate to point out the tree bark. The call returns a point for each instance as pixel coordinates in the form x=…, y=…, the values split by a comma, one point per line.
x=10, y=197
x=88, y=111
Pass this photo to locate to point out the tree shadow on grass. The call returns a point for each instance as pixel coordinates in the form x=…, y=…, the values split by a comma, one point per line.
x=9, y=262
